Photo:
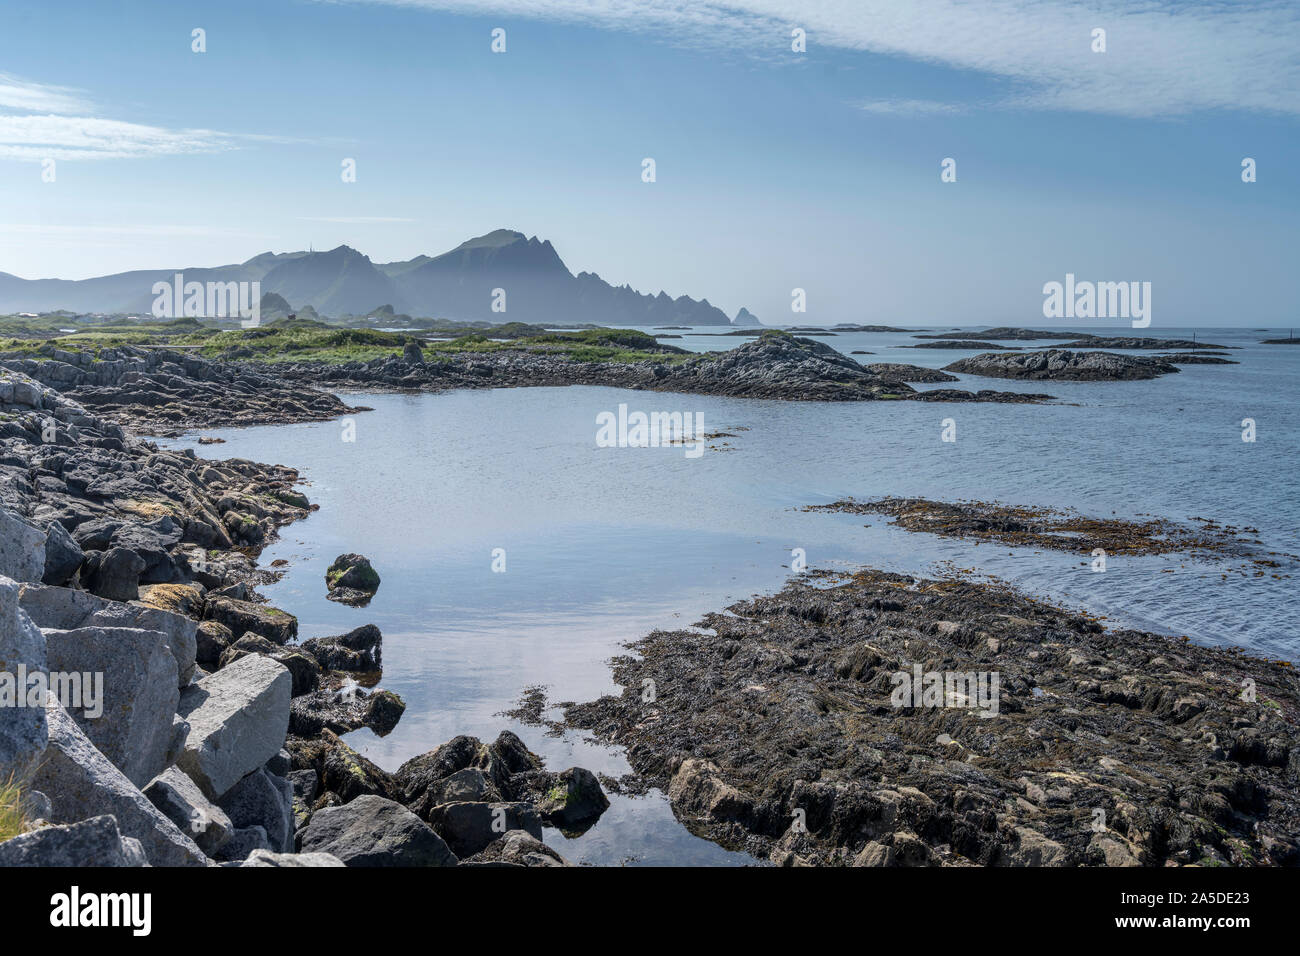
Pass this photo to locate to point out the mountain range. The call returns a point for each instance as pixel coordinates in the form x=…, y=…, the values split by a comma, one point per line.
x=461, y=284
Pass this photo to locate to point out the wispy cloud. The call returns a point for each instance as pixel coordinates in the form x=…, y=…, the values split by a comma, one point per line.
x=355, y=220
x=1164, y=57
x=56, y=122
x=82, y=137
x=19, y=94
x=909, y=107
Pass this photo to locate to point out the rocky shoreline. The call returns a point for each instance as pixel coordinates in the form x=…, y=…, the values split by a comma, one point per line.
x=156, y=711
x=777, y=733
x=776, y=727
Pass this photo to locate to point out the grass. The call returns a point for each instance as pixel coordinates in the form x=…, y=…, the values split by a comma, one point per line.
x=13, y=818
x=279, y=341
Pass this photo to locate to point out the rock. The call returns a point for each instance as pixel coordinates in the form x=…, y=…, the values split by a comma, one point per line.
x=875, y=854
x=266, y=801
x=571, y=800
x=267, y=858
x=94, y=842
x=412, y=353
x=469, y=827
x=22, y=549
x=698, y=790
x=127, y=695
x=184, y=599
x=302, y=666
x=518, y=848
x=67, y=609
x=81, y=782
x=243, y=616
x=383, y=710
x=114, y=574
x=1063, y=365
x=1031, y=848
x=357, y=651
x=211, y=641
x=351, y=580
x=372, y=831
x=470, y=785
x=22, y=648
x=243, y=843
x=340, y=769
x=238, y=719
x=182, y=802
x=63, y=556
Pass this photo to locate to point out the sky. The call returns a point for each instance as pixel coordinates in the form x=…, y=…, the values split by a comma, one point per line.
x=775, y=169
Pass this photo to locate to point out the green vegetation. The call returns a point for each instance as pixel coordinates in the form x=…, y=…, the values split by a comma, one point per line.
x=301, y=339
x=13, y=819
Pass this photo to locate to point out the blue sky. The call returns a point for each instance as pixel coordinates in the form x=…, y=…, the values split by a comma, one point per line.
x=775, y=170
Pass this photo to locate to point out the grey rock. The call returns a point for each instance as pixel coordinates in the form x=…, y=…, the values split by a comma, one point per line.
x=267, y=858
x=66, y=609
x=63, y=556
x=469, y=827
x=181, y=801
x=81, y=782
x=242, y=843
x=113, y=574
x=357, y=650
x=22, y=646
x=93, y=842
x=265, y=801
x=22, y=549
x=238, y=719
x=139, y=688
x=373, y=831
x=519, y=848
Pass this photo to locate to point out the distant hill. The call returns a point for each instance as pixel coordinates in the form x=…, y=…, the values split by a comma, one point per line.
x=460, y=284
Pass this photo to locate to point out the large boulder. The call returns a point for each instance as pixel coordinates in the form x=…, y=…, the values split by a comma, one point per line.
x=238, y=719
x=518, y=848
x=93, y=842
x=22, y=653
x=63, y=556
x=291, y=860
x=359, y=650
x=113, y=574
x=571, y=800
x=22, y=548
x=128, y=694
x=81, y=783
x=302, y=666
x=271, y=623
x=66, y=609
x=372, y=831
x=182, y=802
x=469, y=827
x=351, y=580
x=266, y=801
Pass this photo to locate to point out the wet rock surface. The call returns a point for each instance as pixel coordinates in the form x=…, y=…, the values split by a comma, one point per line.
x=1063, y=365
x=772, y=366
x=778, y=730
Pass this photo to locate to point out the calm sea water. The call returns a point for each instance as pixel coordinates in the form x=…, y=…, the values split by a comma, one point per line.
x=604, y=544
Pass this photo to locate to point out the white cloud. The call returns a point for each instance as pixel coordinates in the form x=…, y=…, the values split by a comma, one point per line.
x=1164, y=57
x=22, y=94
x=81, y=137
x=355, y=220
x=909, y=107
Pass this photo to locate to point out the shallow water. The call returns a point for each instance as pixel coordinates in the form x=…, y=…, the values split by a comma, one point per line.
x=604, y=544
